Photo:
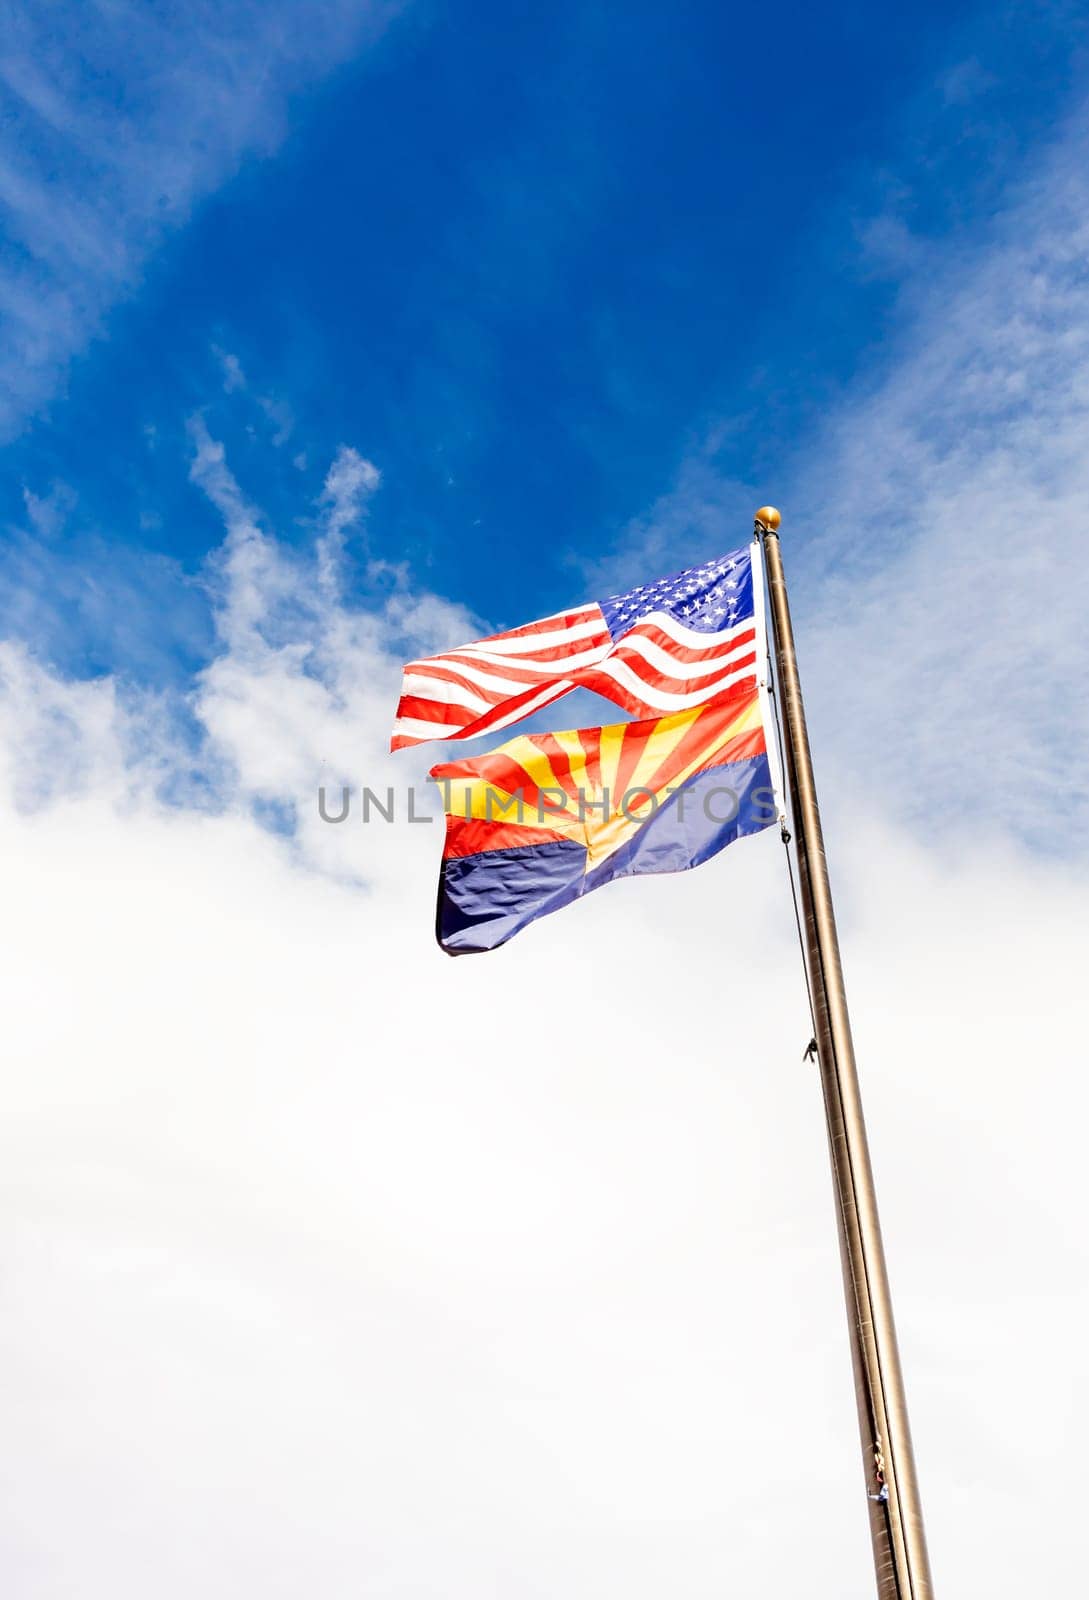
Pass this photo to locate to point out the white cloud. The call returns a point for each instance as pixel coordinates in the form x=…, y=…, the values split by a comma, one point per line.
x=349, y=484
x=234, y=378
x=276, y=410
x=333, y=1264
x=965, y=82
x=47, y=513
x=934, y=529
x=119, y=118
x=947, y=515
x=300, y=695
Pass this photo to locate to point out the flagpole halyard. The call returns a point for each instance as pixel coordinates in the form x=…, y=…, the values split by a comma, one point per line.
x=896, y=1522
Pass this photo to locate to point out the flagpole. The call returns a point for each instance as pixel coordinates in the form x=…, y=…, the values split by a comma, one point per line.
x=896, y=1519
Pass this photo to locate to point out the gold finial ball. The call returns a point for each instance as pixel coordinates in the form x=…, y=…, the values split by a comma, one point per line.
x=768, y=519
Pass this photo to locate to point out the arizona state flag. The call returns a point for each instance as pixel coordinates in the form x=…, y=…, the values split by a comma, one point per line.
x=547, y=817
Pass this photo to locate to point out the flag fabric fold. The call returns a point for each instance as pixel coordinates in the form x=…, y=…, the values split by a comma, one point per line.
x=657, y=649
x=546, y=818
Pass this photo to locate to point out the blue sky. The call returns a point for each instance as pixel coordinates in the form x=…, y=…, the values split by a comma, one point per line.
x=524, y=262
x=330, y=334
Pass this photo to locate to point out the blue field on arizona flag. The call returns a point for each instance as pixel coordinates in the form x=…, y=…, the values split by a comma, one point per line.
x=548, y=817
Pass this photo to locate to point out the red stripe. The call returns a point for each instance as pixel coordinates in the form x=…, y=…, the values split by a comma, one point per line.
x=590, y=740
x=509, y=708
x=656, y=679
x=497, y=769
x=601, y=683
x=700, y=739
x=448, y=669
x=695, y=741
x=559, y=761
x=741, y=748
x=500, y=772
x=547, y=653
x=554, y=646
x=632, y=745
x=410, y=705
x=563, y=619
x=717, y=643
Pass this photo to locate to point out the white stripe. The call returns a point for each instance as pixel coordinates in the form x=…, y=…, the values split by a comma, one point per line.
x=529, y=643
x=416, y=728
x=622, y=674
x=550, y=692
x=568, y=611
x=662, y=661
x=484, y=680
x=688, y=636
x=451, y=694
x=413, y=728
x=478, y=672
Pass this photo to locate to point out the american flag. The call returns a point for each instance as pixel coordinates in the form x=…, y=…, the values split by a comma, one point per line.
x=659, y=648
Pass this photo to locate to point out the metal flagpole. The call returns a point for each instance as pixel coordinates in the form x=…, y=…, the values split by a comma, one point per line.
x=896, y=1518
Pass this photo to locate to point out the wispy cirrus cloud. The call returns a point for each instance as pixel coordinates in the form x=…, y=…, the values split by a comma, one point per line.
x=118, y=117
x=949, y=504
x=946, y=500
